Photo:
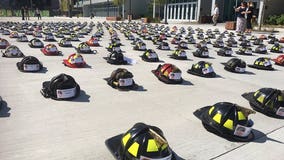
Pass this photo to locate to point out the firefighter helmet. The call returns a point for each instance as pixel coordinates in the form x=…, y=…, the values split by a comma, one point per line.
x=228, y=120
x=268, y=101
x=60, y=87
x=203, y=69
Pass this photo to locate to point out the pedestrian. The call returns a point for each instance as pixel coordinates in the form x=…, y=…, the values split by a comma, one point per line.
x=215, y=15
x=27, y=13
x=37, y=11
x=241, y=20
x=23, y=13
x=249, y=14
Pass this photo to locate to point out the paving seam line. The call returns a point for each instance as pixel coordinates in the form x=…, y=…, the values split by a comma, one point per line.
x=245, y=144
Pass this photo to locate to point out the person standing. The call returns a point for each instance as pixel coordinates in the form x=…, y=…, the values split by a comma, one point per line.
x=241, y=20
x=38, y=14
x=23, y=13
x=249, y=14
x=215, y=15
x=27, y=13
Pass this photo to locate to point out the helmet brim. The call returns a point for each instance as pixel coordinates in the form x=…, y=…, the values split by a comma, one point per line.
x=66, y=63
x=200, y=114
x=255, y=105
x=114, y=144
x=210, y=75
x=178, y=57
x=260, y=67
x=165, y=79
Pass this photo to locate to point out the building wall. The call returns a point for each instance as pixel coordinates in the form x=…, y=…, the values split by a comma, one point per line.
x=139, y=8
x=274, y=7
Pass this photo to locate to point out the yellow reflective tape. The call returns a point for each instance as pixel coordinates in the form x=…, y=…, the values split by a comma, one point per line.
x=256, y=93
x=241, y=116
x=126, y=138
x=229, y=124
x=164, y=146
x=133, y=149
x=261, y=98
x=217, y=118
x=211, y=109
x=152, y=146
x=206, y=65
x=280, y=98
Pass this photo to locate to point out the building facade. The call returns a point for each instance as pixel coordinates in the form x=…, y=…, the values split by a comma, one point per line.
x=201, y=10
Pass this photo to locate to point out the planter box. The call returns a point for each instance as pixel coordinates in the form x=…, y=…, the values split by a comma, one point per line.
x=113, y=18
x=230, y=25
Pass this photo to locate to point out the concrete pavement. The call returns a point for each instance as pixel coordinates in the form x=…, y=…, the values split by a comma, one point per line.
x=39, y=128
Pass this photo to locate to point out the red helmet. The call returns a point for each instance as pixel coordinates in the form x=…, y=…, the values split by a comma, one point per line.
x=93, y=42
x=279, y=60
x=4, y=43
x=281, y=40
x=75, y=60
x=168, y=73
x=50, y=50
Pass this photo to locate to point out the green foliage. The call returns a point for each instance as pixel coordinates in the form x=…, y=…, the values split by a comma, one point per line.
x=117, y=2
x=280, y=20
x=275, y=20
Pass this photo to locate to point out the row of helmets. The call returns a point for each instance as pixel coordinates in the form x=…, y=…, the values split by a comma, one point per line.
x=144, y=141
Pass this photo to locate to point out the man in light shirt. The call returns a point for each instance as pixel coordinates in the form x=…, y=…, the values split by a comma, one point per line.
x=215, y=14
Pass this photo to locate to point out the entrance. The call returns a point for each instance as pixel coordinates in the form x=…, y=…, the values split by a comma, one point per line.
x=182, y=11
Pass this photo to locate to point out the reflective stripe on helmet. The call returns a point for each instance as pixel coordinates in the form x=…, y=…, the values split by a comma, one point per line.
x=152, y=146
x=241, y=116
x=133, y=149
x=217, y=118
x=211, y=109
x=229, y=124
x=126, y=138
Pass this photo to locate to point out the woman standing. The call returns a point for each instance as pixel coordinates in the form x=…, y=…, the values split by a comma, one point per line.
x=241, y=20
x=38, y=14
x=249, y=13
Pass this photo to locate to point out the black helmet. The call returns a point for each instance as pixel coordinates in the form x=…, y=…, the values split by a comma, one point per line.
x=164, y=46
x=140, y=46
x=261, y=49
x=218, y=43
x=235, y=65
x=22, y=38
x=60, y=87
x=49, y=38
x=201, y=52
x=203, y=69
x=179, y=54
x=141, y=142
x=228, y=120
x=268, y=101
x=65, y=42
x=116, y=58
x=245, y=43
x=12, y=52
x=244, y=51
x=225, y=51
x=121, y=78
x=277, y=48
x=85, y=48
x=36, y=43
x=258, y=41
x=150, y=56
x=4, y=43
x=29, y=64
x=168, y=73
x=262, y=63
x=231, y=42
x=183, y=45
